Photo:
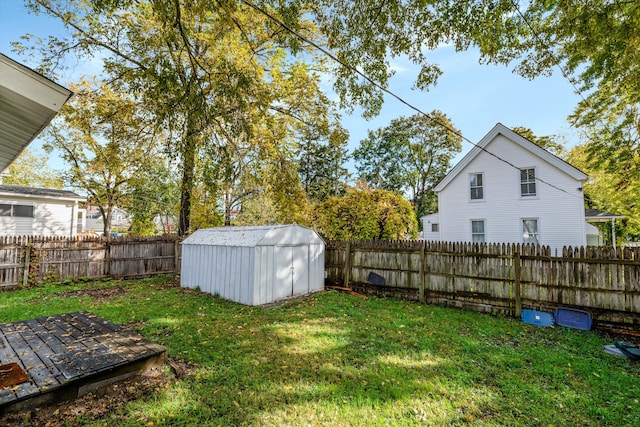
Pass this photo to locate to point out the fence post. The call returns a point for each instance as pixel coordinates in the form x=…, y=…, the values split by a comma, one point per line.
x=176, y=257
x=27, y=260
x=516, y=272
x=347, y=264
x=422, y=260
x=107, y=247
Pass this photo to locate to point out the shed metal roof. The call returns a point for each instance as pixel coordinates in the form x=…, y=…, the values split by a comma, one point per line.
x=250, y=236
x=28, y=102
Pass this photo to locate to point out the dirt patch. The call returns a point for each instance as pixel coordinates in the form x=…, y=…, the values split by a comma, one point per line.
x=98, y=403
x=104, y=294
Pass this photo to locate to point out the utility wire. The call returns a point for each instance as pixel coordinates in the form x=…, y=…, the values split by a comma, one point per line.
x=387, y=91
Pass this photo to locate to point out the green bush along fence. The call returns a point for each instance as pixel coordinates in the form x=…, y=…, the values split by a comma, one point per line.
x=500, y=278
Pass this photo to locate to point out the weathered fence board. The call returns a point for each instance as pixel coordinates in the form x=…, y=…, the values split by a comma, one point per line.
x=29, y=259
x=485, y=277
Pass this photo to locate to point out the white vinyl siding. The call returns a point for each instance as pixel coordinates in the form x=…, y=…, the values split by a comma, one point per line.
x=429, y=222
x=528, y=182
x=561, y=212
x=46, y=217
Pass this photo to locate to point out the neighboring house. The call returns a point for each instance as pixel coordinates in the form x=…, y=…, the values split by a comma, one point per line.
x=509, y=190
x=120, y=219
x=38, y=211
x=28, y=102
x=594, y=236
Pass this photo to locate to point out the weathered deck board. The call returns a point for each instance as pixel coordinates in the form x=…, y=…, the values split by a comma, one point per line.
x=66, y=353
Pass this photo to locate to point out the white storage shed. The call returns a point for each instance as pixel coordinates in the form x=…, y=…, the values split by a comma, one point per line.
x=254, y=265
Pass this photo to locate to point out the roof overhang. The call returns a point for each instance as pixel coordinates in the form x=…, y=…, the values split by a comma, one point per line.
x=28, y=102
x=593, y=215
x=40, y=194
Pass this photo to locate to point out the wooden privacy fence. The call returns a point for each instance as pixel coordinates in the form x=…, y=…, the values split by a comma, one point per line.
x=32, y=260
x=502, y=278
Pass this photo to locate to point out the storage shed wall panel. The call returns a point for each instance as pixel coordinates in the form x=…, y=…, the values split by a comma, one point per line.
x=219, y=270
x=316, y=264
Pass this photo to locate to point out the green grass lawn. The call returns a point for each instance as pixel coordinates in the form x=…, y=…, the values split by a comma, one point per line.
x=334, y=359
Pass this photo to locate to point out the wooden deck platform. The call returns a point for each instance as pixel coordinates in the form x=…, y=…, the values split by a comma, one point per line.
x=68, y=355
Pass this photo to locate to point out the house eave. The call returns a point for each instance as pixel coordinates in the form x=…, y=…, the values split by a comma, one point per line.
x=28, y=102
x=12, y=196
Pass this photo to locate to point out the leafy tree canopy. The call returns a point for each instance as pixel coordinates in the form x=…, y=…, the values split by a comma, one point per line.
x=205, y=71
x=410, y=156
x=30, y=169
x=609, y=190
x=547, y=142
x=366, y=214
x=107, y=142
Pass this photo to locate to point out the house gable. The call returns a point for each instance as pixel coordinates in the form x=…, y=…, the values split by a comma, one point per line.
x=500, y=129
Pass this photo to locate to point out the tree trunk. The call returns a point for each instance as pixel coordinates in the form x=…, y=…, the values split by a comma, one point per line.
x=188, y=172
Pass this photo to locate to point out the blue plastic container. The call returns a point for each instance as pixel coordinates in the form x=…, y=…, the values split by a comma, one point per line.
x=537, y=318
x=573, y=318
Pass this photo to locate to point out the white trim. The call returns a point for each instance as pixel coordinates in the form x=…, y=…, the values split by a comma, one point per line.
x=483, y=186
x=500, y=129
x=535, y=181
x=37, y=196
x=538, y=234
x=484, y=229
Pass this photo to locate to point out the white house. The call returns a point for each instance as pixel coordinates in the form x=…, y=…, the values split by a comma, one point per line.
x=38, y=211
x=507, y=189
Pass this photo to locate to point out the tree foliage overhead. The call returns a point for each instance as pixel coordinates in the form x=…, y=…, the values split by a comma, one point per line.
x=211, y=68
x=610, y=190
x=206, y=71
x=366, y=214
x=547, y=142
x=30, y=169
x=410, y=155
x=107, y=141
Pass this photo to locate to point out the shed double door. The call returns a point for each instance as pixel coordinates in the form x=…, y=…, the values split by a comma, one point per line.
x=292, y=274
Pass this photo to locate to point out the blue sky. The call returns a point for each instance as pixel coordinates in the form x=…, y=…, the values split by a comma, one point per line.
x=474, y=96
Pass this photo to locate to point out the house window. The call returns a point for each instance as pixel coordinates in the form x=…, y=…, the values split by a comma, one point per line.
x=435, y=228
x=527, y=182
x=23, y=211
x=476, y=186
x=530, y=233
x=477, y=231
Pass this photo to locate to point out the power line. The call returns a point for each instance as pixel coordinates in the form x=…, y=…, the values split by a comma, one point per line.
x=387, y=91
